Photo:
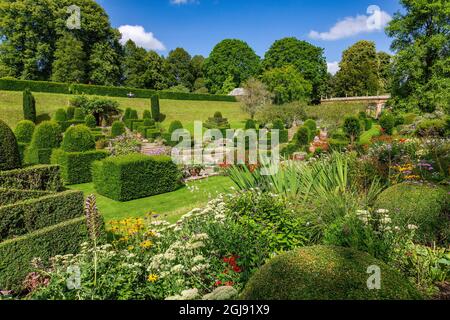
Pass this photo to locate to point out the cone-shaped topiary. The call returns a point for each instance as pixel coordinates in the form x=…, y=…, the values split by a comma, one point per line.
x=117, y=129
x=60, y=115
x=303, y=136
x=175, y=125
x=250, y=124
x=78, y=114
x=218, y=115
x=156, y=112
x=78, y=139
x=133, y=115
x=147, y=115
x=91, y=122
x=29, y=106
x=70, y=113
x=24, y=131
x=9, y=149
x=326, y=273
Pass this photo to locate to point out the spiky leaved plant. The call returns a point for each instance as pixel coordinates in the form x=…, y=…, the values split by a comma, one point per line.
x=94, y=222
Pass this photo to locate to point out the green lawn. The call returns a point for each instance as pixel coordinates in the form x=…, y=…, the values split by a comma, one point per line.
x=333, y=114
x=171, y=206
x=185, y=111
x=367, y=136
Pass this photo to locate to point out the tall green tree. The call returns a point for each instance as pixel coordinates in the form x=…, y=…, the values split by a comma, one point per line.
x=104, y=65
x=69, y=63
x=230, y=59
x=358, y=74
x=308, y=59
x=180, y=69
x=134, y=65
x=421, y=71
x=287, y=85
x=156, y=74
x=384, y=70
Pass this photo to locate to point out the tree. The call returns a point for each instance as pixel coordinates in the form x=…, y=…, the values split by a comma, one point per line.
x=69, y=63
x=384, y=70
x=230, y=59
x=29, y=106
x=156, y=112
x=156, y=74
x=421, y=69
x=197, y=66
x=358, y=74
x=180, y=69
x=104, y=65
x=352, y=128
x=309, y=60
x=287, y=85
x=256, y=95
x=134, y=65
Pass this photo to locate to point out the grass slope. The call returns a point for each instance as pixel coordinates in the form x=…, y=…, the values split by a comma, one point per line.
x=185, y=111
x=171, y=206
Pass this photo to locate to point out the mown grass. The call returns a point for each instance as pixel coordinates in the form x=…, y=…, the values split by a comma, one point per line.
x=171, y=206
x=185, y=111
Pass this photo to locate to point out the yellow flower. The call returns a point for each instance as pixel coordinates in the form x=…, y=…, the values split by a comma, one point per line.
x=130, y=248
x=152, y=278
x=146, y=244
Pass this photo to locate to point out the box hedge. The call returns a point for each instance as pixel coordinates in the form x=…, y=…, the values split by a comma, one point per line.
x=41, y=177
x=133, y=124
x=16, y=254
x=53, y=87
x=10, y=196
x=9, y=149
x=135, y=176
x=76, y=167
x=20, y=218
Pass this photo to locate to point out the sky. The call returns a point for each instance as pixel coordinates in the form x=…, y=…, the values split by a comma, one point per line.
x=198, y=25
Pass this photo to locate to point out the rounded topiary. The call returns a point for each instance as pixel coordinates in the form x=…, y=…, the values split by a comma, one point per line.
x=311, y=125
x=352, y=128
x=175, y=125
x=117, y=129
x=24, y=131
x=387, y=122
x=60, y=115
x=147, y=114
x=47, y=135
x=425, y=206
x=326, y=273
x=78, y=114
x=278, y=124
x=133, y=115
x=250, y=124
x=303, y=136
x=9, y=149
x=78, y=139
x=218, y=115
x=91, y=122
x=149, y=123
x=70, y=112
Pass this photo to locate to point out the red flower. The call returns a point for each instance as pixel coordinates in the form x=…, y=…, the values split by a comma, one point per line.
x=229, y=283
x=218, y=283
x=237, y=269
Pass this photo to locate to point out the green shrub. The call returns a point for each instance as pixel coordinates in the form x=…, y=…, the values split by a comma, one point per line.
x=46, y=137
x=147, y=115
x=133, y=124
x=90, y=121
x=133, y=115
x=78, y=114
x=338, y=144
x=149, y=132
x=424, y=206
x=325, y=273
x=217, y=122
x=70, y=113
x=9, y=149
x=312, y=126
x=67, y=124
x=24, y=131
x=290, y=149
x=250, y=124
x=156, y=112
x=175, y=125
x=41, y=177
x=117, y=129
x=387, y=123
x=302, y=138
x=76, y=167
x=78, y=139
x=29, y=106
x=409, y=118
x=60, y=115
x=20, y=218
x=284, y=136
x=352, y=128
x=218, y=115
x=368, y=124
x=16, y=254
x=435, y=127
x=127, y=114
x=278, y=124
x=10, y=196
x=149, y=123
x=22, y=148
x=135, y=176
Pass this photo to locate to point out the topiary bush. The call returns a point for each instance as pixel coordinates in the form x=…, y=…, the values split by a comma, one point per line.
x=78, y=114
x=387, y=123
x=90, y=121
x=133, y=115
x=425, y=206
x=352, y=128
x=156, y=112
x=60, y=115
x=302, y=138
x=278, y=124
x=250, y=124
x=70, y=113
x=117, y=129
x=147, y=115
x=127, y=114
x=46, y=136
x=325, y=273
x=311, y=125
x=149, y=123
x=78, y=139
x=29, y=106
x=9, y=149
x=175, y=125
x=24, y=131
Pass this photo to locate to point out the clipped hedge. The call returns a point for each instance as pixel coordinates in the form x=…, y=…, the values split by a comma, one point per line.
x=53, y=87
x=78, y=139
x=426, y=206
x=9, y=149
x=76, y=167
x=133, y=124
x=149, y=132
x=117, y=129
x=9, y=196
x=46, y=136
x=41, y=177
x=30, y=215
x=24, y=131
x=16, y=254
x=135, y=176
x=325, y=273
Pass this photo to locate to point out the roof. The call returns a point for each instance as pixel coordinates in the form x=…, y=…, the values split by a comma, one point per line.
x=237, y=92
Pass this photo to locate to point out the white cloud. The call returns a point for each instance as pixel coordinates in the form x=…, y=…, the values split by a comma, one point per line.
x=142, y=38
x=333, y=67
x=350, y=26
x=180, y=2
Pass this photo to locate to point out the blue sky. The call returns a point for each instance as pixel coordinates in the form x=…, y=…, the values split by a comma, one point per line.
x=198, y=25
